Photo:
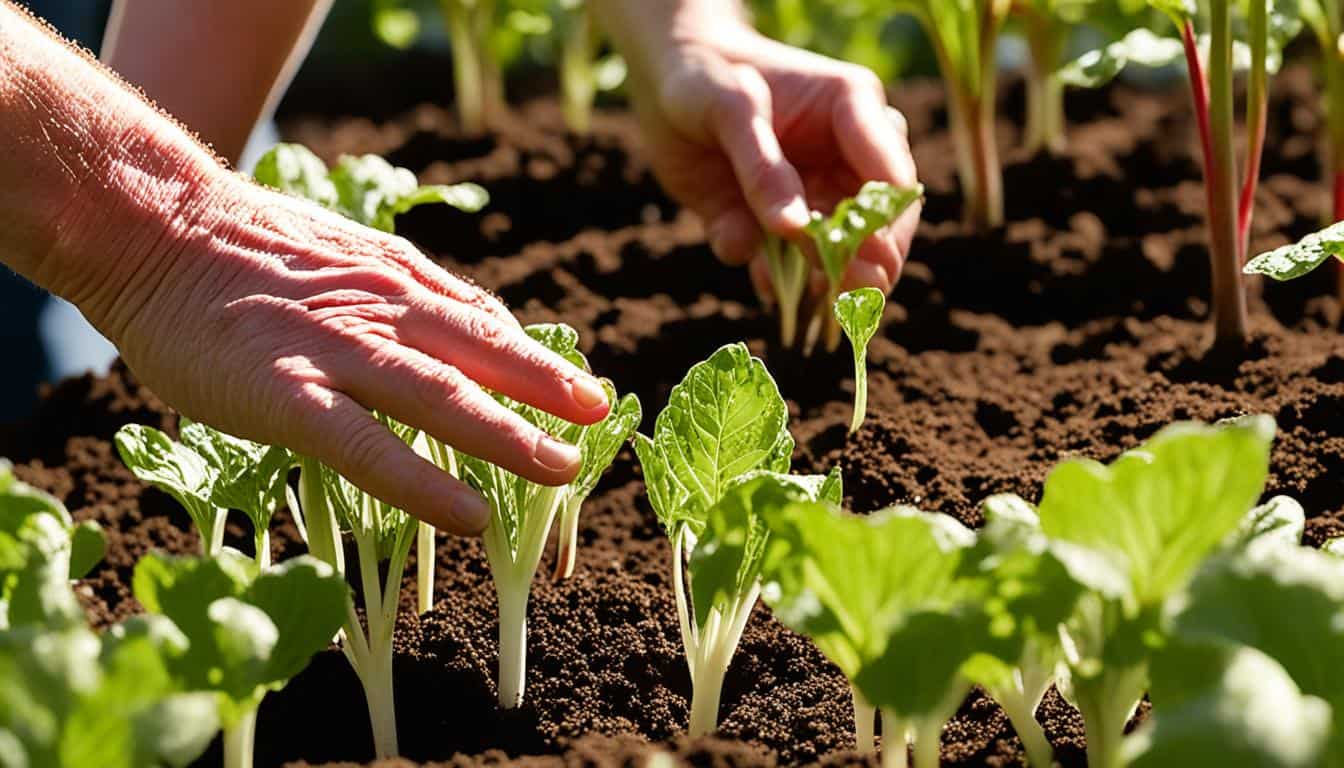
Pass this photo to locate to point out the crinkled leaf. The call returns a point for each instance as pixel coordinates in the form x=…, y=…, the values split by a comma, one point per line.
x=854, y=219
x=601, y=441
x=1297, y=259
x=36, y=546
x=858, y=312
x=560, y=339
x=666, y=495
x=1156, y=512
x=372, y=191
x=727, y=557
x=172, y=467
x=724, y=419
x=296, y=171
x=1217, y=705
x=248, y=476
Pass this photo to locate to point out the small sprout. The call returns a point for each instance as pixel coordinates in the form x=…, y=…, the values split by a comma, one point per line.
x=839, y=236
x=1297, y=259
x=858, y=313
x=789, y=271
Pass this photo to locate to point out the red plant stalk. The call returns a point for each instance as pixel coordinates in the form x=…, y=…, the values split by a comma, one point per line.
x=1212, y=96
x=1257, y=112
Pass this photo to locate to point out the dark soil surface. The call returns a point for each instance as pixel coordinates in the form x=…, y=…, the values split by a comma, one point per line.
x=1077, y=329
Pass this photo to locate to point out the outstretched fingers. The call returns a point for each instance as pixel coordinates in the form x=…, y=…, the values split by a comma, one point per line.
x=334, y=429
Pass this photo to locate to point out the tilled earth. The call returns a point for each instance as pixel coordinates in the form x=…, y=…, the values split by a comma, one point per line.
x=1078, y=329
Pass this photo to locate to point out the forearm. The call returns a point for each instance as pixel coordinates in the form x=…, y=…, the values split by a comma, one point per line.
x=219, y=67
x=92, y=179
x=648, y=31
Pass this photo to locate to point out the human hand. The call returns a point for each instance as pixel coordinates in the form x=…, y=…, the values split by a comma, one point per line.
x=278, y=321
x=750, y=133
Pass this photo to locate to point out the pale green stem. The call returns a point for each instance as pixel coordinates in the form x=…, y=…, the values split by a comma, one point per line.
x=1106, y=704
x=216, y=541
x=240, y=741
x=424, y=567
x=567, y=543
x=895, y=737
x=788, y=276
x=1022, y=714
x=860, y=392
x=578, y=84
x=865, y=738
x=1045, y=91
x=469, y=73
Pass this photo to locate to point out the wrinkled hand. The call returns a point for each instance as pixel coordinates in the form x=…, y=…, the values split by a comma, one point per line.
x=748, y=133
x=284, y=323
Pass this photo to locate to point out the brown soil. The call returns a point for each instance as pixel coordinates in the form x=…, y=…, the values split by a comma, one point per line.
x=1077, y=329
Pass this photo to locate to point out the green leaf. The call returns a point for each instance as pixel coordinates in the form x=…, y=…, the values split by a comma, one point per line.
x=1156, y=512
x=466, y=197
x=600, y=442
x=36, y=557
x=372, y=191
x=305, y=599
x=560, y=339
x=724, y=419
x=1297, y=259
x=1141, y=46
x=857, y=585
x=294, y=170
x=248, y=476
x=854, y=219
x=727, y=557
x=173, y=468
x=87, y=547
x=666, y=495
x=1288, y=604
x=1227, y=706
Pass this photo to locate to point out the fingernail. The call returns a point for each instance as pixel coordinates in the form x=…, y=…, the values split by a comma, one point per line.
x=471, y=511
x=555, y=455
x=795, y=213
x=588, y=394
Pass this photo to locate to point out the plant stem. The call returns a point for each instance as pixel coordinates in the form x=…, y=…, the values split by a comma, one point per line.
x=263, y=540
x=374, y=668
x=788, y=275
x=971, y=113
x=469, y=63
x=216, y=542
x=1257, y=113
x=860, y=394
x=895, y=741
x=1213, y=111
x=928, y=733
x=240, y=740
x=1332, y=65
x=1106, y=704
x=1022, y=714
x=324, y=534
x=578, y=85
x=1045, y=91
x=512, y=644
x=865, y=740
x=567, y=540
x=424, y=567
x=376, y=678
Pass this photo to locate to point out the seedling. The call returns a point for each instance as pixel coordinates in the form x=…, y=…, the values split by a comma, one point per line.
x=477, y=80
x=858, y=313
x=964, y=35
x=1046, y=25
x=725, y=420
x=891, y=600
x=1229, y=211
x=523, y=512
x=1297, y=259
x=247, y=631
x=208, y=473
x=789, y=271
x=71, y=697
x=382, y=534
x=838, y=238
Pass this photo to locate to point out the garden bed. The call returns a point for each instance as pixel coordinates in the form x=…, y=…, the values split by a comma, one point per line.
x=1077, y=329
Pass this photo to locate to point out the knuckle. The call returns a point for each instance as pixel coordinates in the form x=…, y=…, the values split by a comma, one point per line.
x=733, y=107
x=863, y=80
x=364, y=448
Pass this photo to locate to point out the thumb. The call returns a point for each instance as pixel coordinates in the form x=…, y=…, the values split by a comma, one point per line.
x=731, y=105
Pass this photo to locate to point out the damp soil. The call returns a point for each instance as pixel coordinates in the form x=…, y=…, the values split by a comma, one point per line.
x=1077, y=329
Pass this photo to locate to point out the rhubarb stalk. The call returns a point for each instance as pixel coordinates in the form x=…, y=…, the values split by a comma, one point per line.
x=1212, y=98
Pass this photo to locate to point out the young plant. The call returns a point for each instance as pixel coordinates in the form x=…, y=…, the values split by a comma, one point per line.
x=477, y=81
x=73, y=698
x=838, y=238
x=1046, y=25
x=891, y=600
x=858, y=313
x=1230, y=201
x=367, y=189
x=1134, y=532
x=724, y=420
x=964, y=35
x=382, y=534
x=523, y=512
x=208, y=473
x=1297, y=259
x=789, y=271
x=248, y=631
